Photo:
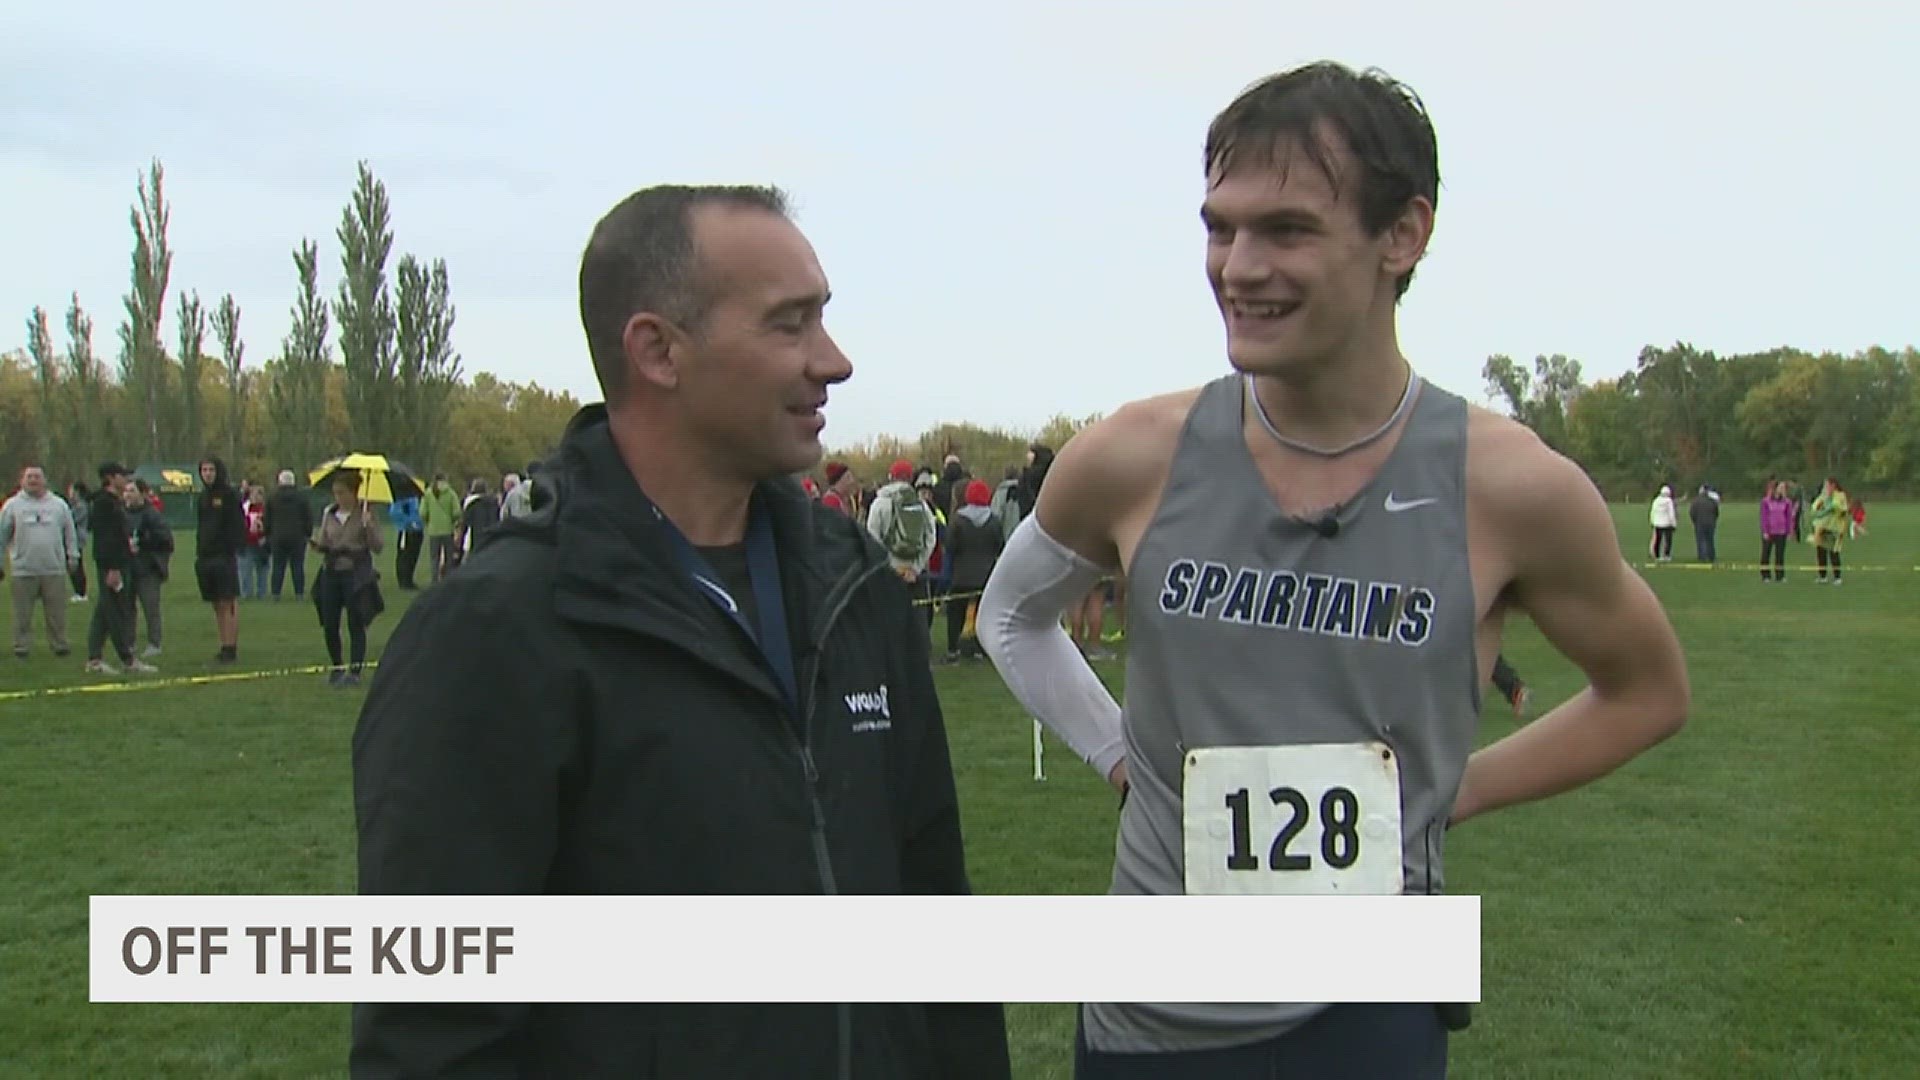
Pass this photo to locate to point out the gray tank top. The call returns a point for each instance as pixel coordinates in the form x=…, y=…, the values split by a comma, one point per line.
x=1247, y=627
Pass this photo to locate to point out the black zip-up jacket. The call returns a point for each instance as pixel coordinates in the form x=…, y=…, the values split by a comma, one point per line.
x=951, y=493
x=112, y=533
x=146, y=525
x=289, y=521
x=568, y=715
x=1705, y=511
x=222, y=521
x=973, y=547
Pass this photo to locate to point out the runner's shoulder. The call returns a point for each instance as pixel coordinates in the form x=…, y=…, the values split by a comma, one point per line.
x=1109, y=470
x=1133, y=443
x=1533, y=494
x=1509, y=466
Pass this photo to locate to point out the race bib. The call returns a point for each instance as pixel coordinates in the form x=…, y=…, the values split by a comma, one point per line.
x=1293, y=820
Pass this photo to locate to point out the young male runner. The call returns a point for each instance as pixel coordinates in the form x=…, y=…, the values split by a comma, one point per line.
x=1322, y=549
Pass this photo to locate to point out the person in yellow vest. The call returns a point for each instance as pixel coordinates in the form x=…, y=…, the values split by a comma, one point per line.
x=1832, y=521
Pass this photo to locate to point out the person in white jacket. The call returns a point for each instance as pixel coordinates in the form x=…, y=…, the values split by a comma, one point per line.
x=1665, y=519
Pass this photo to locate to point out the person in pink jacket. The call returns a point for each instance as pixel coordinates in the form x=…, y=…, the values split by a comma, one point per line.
x=1776, y=524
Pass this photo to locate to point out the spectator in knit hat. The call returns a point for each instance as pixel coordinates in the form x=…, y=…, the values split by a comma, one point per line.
x=843, y=483
x=904, y=525
x=973, y=546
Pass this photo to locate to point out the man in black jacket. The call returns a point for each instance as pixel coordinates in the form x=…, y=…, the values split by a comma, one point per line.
x=289, y=526
x=221, y=533
x=1705, y=512
x=113, y=610
x=676, y=676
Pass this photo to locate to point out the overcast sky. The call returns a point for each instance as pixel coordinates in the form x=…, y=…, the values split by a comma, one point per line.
x=1004, y=195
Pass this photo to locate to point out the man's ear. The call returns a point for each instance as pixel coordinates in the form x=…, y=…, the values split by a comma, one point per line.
x=654, y=347
x=1406, y=239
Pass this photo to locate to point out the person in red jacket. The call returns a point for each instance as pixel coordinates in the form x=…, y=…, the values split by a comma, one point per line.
x=255, y=558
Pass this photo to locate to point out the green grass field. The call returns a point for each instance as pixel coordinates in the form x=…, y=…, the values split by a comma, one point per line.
x=1736, y=904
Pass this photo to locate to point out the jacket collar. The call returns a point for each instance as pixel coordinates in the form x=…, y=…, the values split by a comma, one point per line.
x=615, y=566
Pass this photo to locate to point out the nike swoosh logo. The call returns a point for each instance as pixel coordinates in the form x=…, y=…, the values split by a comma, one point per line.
x=1394, y=505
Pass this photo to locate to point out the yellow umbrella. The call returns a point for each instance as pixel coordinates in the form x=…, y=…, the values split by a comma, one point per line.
x=381, y=480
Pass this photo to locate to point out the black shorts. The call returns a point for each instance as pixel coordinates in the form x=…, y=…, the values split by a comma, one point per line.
x=219, y=579
x=1402, y=1041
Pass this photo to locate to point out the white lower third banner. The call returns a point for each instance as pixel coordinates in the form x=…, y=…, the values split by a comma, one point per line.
x=784, y=948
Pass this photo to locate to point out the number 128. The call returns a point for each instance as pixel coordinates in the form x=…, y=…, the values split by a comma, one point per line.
x=1339, y=834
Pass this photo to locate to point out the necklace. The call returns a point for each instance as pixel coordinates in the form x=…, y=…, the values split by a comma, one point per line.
x=1406, y=402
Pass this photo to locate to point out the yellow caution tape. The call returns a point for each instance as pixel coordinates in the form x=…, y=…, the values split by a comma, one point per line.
x=944, y=597
x=136, y=682
x=127, y=682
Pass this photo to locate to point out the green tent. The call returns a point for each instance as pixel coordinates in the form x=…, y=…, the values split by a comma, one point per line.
x=176, y=484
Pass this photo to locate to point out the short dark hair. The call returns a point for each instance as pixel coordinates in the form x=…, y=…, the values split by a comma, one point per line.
x=1382, y=121
x=641, y=258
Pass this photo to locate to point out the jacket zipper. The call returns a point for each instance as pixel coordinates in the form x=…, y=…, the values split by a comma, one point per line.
x=840, y=595
x=846, y=587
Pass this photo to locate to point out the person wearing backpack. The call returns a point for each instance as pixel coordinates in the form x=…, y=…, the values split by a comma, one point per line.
x=939, y=572
x=903, y=524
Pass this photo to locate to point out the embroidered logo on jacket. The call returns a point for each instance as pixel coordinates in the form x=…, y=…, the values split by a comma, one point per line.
x=870, y=710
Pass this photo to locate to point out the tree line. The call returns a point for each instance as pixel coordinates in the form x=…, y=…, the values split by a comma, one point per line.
x=396, y=388
x=1685, y=416
x=1682, y=416
x=370, y=367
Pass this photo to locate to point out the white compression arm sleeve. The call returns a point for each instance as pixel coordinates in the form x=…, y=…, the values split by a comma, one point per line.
x=1035, y=582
